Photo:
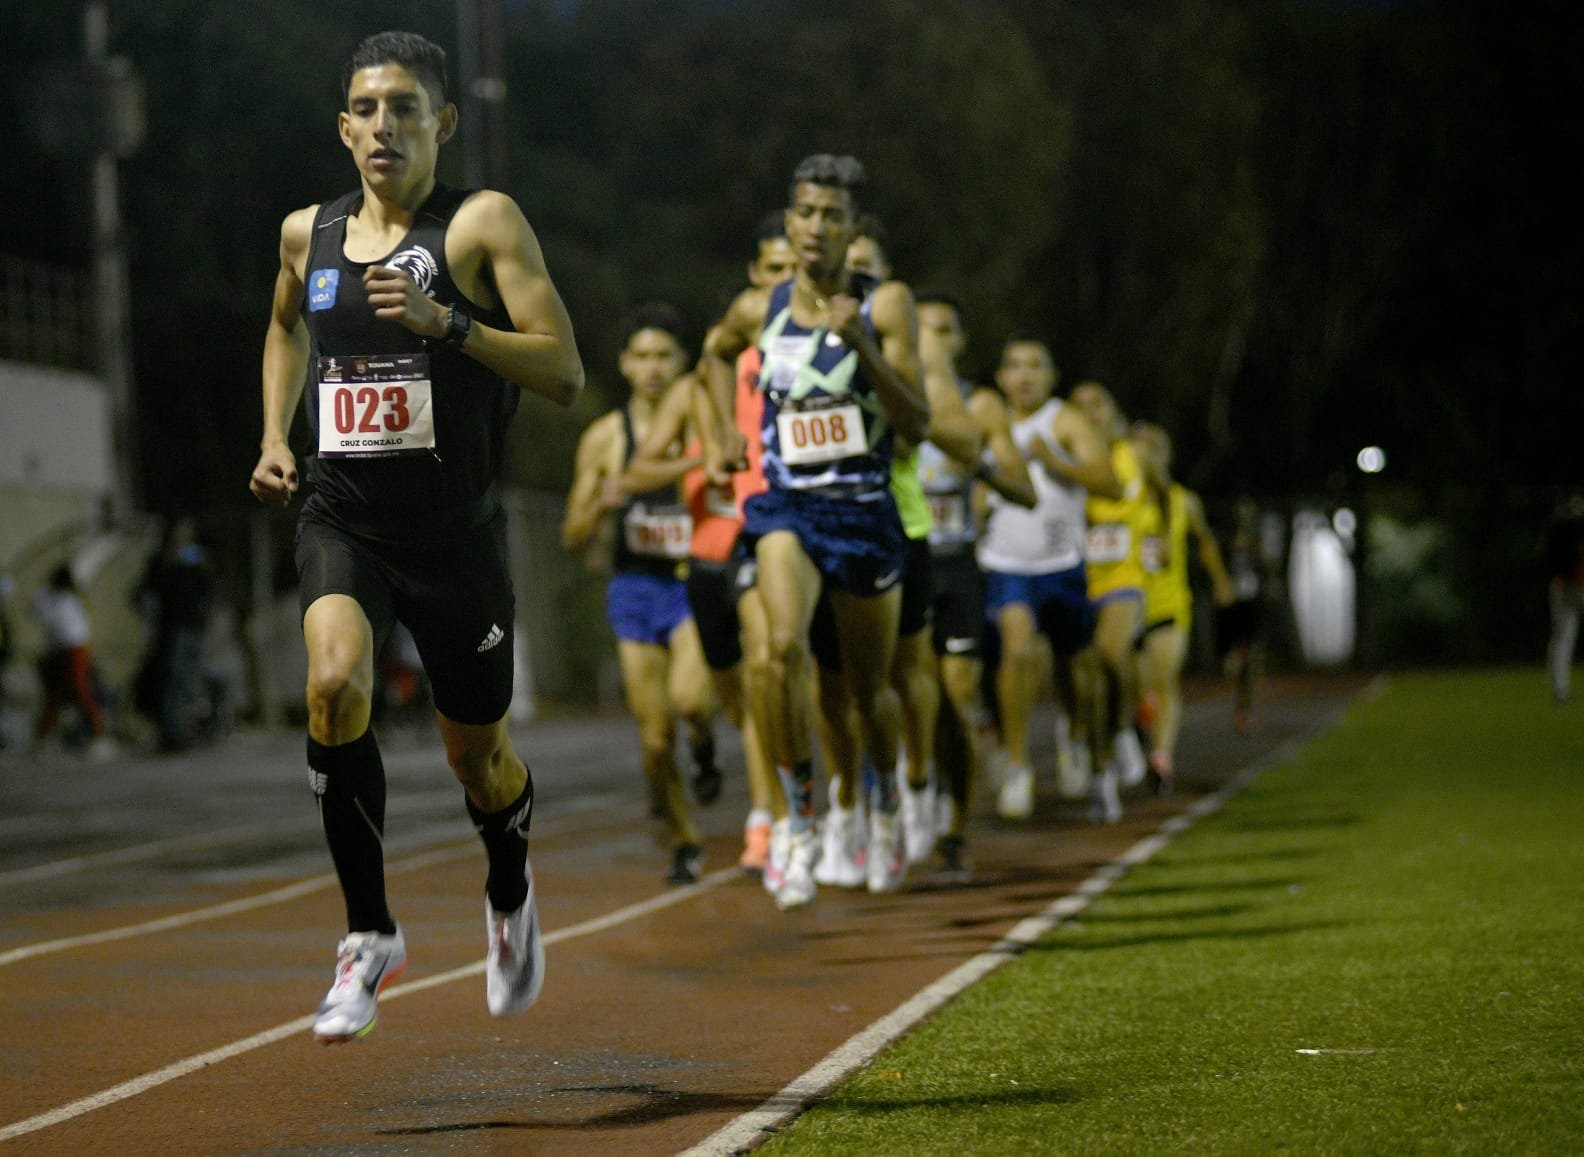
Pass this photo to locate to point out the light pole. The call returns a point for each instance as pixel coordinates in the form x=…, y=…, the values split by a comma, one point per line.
x=118, y=112
x=481, y=36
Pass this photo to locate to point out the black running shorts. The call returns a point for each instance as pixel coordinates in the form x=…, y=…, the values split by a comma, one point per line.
x=918, y=588
x=712, y=595
x=959, y=605
x=453, y=591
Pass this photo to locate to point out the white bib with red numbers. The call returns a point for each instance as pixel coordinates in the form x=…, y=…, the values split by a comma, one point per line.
x=375, y=406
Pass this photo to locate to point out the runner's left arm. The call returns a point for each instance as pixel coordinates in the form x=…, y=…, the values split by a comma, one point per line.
x=892, y=364
x=538, y=353
x=654, y=463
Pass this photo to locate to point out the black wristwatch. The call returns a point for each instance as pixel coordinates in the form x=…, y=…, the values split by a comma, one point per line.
x=458, y=326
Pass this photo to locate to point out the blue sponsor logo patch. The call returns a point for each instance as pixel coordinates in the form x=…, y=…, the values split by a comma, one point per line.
x=322, y=285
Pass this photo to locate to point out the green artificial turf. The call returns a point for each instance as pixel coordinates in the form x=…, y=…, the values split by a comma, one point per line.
x=1404, y=896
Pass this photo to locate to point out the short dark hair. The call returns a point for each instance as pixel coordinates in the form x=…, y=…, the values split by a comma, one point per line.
x=1022, y=337
x=940, y=297
x=873, y=228
x=422, y=57
x=772, y=227
x=831, y=171
x=660, y=315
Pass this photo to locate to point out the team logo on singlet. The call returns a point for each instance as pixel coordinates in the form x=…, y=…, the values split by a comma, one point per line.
x=322, y=284
x=419, y=264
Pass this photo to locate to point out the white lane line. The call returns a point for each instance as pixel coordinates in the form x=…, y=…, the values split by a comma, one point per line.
x=229, y=908
x=399, y=807
x=182, y=1068
x=247, y=904
x=754, y=1126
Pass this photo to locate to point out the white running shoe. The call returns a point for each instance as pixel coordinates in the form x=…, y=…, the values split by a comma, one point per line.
x=1072, y=766
x=1131, y=765
x=945, y=814
x=842, y=862
x=514, y=969
x=1016, y=799
x=918, y=819
x=1105, y=802
x=888, y=860
x=775, y=867
x=798, y=881
x=365, y=963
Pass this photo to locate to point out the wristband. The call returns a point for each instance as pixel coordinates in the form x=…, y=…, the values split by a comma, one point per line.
x=458, y=326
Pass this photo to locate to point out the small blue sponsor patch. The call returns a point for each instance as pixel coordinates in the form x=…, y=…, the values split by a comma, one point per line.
x=322, y=285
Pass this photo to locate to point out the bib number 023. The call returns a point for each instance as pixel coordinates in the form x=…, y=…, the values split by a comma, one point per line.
x=371, y=411
x=375, y=406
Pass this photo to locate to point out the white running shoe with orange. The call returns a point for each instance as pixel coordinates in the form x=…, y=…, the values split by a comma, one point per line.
x=366, y=962
x=514, y=968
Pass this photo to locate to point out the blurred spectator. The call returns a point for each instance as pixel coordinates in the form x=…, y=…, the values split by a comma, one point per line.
x=1565, y=566
x=176, y=593
x=1240, y=628
x=66, y=666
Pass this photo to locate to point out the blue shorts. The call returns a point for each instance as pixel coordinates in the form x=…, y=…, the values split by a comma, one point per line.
x=646, y=608
x=1059, y=601
x=858, y=547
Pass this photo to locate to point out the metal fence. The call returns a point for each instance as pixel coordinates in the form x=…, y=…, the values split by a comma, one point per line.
x=45, y=314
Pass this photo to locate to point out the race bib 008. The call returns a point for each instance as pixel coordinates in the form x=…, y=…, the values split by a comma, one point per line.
x=811, y=437
x=375, y=406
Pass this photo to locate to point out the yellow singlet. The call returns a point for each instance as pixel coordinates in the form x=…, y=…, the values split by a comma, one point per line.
x=1167, y=595
x=1114, y=560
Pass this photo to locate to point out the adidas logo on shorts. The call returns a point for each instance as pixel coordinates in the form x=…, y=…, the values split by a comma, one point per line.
x=490, y=640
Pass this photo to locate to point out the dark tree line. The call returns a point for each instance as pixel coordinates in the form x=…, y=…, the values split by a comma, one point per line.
x=1283, y=229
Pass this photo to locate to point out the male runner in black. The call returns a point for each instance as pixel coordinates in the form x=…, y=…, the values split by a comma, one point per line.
x=413, y=313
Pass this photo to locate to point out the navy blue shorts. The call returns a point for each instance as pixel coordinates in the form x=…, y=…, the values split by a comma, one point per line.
x=858, y=547
x=1059, y=602
x=646, y=608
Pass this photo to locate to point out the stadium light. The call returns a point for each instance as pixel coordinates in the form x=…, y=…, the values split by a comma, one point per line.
x=1372, y=459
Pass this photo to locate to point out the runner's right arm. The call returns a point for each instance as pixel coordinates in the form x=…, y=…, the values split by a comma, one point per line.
x=590, y=498
x=725, y=449
x=1002, y=468
x=274, y=479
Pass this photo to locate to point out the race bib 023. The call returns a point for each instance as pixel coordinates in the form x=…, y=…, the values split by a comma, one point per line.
x=375, y=406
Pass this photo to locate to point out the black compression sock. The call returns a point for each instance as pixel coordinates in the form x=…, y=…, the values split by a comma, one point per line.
x=505, y=836
x=349, y=782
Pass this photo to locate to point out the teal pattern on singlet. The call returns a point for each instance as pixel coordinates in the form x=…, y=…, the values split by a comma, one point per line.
x=806, y=373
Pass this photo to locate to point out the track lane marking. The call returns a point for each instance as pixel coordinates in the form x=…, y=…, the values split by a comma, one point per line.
x=755, y=1126
x=281, y=895
x=178, y=1069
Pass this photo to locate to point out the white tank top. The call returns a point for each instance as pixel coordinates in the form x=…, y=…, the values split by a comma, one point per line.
x=1050, y=537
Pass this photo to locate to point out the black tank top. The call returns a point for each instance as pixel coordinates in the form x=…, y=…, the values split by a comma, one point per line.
x=415, y=491
x=654, y=531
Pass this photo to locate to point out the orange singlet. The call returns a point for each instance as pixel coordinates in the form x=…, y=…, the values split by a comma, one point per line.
x=717, y=517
